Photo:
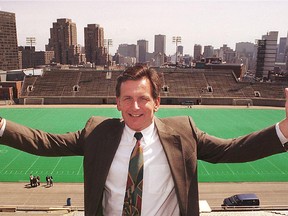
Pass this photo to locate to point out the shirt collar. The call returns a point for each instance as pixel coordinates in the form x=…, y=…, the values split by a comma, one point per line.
x=147, y=134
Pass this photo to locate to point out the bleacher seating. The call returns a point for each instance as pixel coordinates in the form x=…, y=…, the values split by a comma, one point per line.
x=185, y=83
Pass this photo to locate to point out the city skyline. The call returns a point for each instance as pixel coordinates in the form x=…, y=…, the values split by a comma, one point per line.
x=209, y=22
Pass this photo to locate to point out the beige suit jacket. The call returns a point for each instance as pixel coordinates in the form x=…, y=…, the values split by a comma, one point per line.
x=182, y=141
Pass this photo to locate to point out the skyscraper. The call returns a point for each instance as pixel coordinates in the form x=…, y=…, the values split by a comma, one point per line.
x=143, y=49
x=246, y=53
x=160, y=44
x=197, y=52
x=94, y=44
x=266, y=54
x=8, y=42
x=180, y=50
x=28, y=54
x=281, y=49
x=208, y=51
x=63, y=41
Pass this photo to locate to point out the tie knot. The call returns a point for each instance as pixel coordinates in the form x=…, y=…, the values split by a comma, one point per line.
x=138, y=135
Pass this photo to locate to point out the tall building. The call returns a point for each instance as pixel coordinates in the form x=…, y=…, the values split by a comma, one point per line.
x=8, y=42
x=63, y=41
x=31, y=58
x=246, y=54
x=160, y=44
x=227, y=54
x=197, y=52
x=208, y=51
x=43, y=57
x=28, y=53
x=180, y=50
x=129, y=50
x=281, y=49
x=143, y=50
x=245, y=47
x=94, y=44
x=266, y=54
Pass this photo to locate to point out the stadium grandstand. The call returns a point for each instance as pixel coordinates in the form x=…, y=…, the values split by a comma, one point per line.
x=180, y=85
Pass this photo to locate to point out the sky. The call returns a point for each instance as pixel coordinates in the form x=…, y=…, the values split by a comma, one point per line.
x=208, y=22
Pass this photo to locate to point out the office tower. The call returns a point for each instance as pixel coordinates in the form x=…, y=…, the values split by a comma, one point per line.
x=129, y=50
x=28, y=53
x=94, y=44
x=282, y=44
x=266, y=54
x=180, y=50
x=281, y=49
x=43, y=57
x=227, y=54
x=31, y=58
x=143, y=50
x=160, y=44
x=208, y=51
x=63, y=41
x=246, y=54
x=8, y=42
x=244, y=47
x=197, y=52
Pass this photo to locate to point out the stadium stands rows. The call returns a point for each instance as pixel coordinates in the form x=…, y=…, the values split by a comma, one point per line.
x=177, y=83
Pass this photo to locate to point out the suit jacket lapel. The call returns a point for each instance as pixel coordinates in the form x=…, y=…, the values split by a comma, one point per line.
x=173, y=149
x=98, y=159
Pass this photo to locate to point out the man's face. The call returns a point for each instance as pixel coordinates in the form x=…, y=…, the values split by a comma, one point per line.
x=137, y=104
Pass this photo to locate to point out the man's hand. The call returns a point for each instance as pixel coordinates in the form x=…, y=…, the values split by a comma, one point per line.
x=283, y=125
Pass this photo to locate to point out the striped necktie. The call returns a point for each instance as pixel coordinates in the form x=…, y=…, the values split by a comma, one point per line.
x=133, y=194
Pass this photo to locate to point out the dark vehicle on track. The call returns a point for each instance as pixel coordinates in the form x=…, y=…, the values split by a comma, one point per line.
x=189, y=104
x=247, y=200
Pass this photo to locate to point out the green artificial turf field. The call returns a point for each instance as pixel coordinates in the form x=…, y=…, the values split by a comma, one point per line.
x=223, y=122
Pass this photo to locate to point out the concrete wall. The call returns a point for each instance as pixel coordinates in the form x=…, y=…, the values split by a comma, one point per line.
x=164, y=101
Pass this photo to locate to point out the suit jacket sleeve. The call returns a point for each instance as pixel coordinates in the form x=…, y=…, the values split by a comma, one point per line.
x=213, y=149
x=246, y=148
x=42, y=143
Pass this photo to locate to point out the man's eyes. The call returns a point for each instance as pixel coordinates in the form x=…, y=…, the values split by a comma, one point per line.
x=127, y=98
x=144, y=98
x=130, y=99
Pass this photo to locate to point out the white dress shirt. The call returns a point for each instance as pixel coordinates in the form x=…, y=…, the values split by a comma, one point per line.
x=158, y=197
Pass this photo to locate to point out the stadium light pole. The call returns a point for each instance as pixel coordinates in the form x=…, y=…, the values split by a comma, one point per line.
x=108, y=43
x=176, y=40
x=31, y=41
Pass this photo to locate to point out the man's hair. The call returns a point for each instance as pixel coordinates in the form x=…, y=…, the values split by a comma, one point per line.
x=138, y=72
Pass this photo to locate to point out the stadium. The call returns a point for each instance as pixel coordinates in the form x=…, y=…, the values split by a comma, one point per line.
x=62, y=100
x=201, y=87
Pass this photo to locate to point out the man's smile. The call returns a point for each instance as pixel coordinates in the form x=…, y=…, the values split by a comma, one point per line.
x=136, y=115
